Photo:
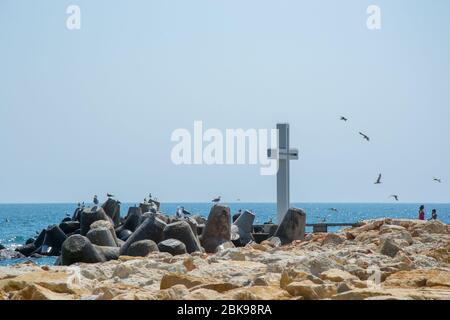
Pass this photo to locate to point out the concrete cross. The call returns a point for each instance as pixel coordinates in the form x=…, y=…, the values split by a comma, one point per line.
x=283, y=154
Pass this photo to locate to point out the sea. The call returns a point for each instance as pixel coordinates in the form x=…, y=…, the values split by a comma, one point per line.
x=19, y=222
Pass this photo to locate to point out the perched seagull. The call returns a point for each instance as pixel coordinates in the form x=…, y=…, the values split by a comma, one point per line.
x=394, y=196
x=364, y=136
x=95, y=200
x=378, y=180
x=437, y=180
x=150, y=196
x=109, y=195
x=216, y=200
x=145, y=200
x=344, y=118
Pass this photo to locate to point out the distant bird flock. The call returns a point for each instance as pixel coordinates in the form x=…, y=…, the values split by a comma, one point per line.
x=378, y=181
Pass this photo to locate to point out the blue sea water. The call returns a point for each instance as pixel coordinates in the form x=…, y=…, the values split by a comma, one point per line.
x=18, y=222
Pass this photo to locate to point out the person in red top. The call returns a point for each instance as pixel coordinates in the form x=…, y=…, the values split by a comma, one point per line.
x=422, y=213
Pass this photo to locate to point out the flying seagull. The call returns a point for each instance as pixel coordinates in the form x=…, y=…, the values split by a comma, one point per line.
x=394, y=196
x=378, y=180
x=364, y=136
x=334, y=209
x=344, y=118
x=216, y=200
x=95, y=200
x=437, y=180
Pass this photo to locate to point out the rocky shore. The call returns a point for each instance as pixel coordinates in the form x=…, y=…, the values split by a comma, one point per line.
x=380, y=259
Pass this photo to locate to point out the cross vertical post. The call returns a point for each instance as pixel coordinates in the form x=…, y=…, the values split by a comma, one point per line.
x=283, y=154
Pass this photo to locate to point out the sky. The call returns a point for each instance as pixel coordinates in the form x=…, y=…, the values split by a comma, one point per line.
x=91, y=111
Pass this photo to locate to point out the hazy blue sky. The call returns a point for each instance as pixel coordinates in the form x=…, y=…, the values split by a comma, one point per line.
x=92, y=110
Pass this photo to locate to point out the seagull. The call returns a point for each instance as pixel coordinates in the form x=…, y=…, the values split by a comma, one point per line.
x=378, y=180
x=95, y=200
x=216, y=200
x=145, y=200
x=150, y=196
x=6, y=220
x=344, y=118
x=437, y=180
x=394, y=196
x=364, y=136
x=333, y=209
x=109, y=195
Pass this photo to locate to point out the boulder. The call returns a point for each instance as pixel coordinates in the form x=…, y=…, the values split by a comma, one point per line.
x=101, y=236
x=7, y=254
x=244, y=224
x=292, y=227
x=217, y=229
x=112, y=210
x=336, y=275
x=69, y=226
x=78, y=248
x=142, y=248
x=53, y=240
x=27, y=249
x=108, y=225
x=332, y=239
x=310, y=290
x=151, y=229
x=3, y=247
x=132, y=220
x=172, y=246
x=89, y=216
x=388, y=248
x=182, y=231
x=124, y=234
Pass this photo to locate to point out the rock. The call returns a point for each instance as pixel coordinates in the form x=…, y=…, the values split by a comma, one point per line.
x=333, y=239
x=217, y=229
x=112, y=210
x=53, y=240
x=132, y=220
x=101, y=236
x=273, y=242
x=292, y=227
x=189, y=281
x=310, y=290
x=244, y=224
x=69, y=226
x=432, y=227
x=7, y=254
x=419, y=278
x=108, y=225
x=142, y=248
x=40, y=239
x=36, y=292
x=78, y=248
x=151, y=229
x=3, y=247
x=182, y=231
x=26, y=250
x=359, y=294
x=256, y=293
x=172, y=246
x=125, y=234
x=336, y=275
x=388, y=248
x=343, y=287
x=89, y=216
x=290, y=275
